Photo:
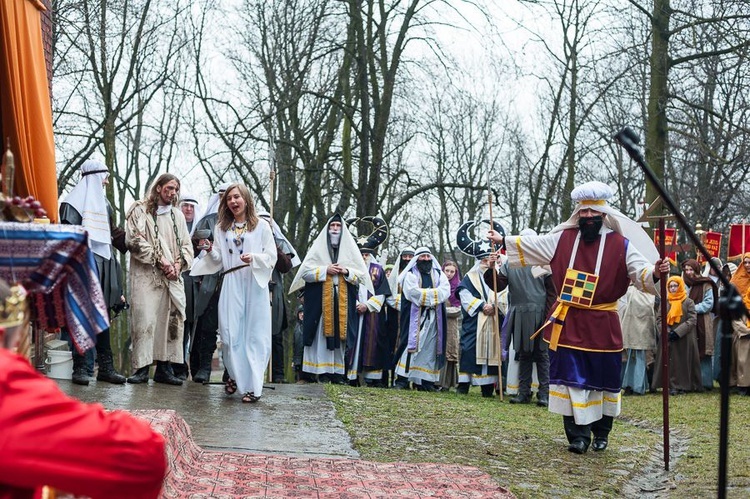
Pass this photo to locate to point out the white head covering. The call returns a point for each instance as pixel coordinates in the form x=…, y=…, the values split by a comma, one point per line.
x=213, y=202
x=279, y=235
x=393, y=280
x=318, y=256
x=594, y=195
x=89, y=200
x=187, y=198
x=422, y=250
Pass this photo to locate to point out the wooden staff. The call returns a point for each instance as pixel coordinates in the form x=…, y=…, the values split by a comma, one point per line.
x=664, y=345
x=272, y=176
x=496, y=325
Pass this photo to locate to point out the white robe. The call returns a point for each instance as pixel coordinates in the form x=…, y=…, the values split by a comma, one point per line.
x=158, y=304
x=422, y=364
x=244, y=303
x=317, y=358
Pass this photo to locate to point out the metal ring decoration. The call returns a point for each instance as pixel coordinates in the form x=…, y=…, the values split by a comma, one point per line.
x=478, y=248
x=378, y=235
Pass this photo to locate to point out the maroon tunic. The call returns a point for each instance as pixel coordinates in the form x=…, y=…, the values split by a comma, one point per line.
x=592, y=330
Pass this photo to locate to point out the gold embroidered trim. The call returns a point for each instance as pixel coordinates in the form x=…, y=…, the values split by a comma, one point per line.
x=520, y=252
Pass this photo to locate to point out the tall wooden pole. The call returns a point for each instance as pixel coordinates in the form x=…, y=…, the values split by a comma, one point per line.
x=664, y=347
x=496, y=325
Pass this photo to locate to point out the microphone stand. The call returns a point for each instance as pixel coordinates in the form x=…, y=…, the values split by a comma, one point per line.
x=731, y=306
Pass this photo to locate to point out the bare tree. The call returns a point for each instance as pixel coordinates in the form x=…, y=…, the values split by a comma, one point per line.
x=674, y=24
x=116, y=69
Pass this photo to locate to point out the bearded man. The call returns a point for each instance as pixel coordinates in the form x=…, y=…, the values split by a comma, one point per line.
x=330, y=274
x=593, y=257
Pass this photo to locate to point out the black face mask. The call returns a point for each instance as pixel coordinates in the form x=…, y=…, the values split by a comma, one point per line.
x=590, y=227
x=424, y=266
x=403, y=262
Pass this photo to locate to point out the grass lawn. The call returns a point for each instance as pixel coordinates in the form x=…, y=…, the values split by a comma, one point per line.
x=524, y=447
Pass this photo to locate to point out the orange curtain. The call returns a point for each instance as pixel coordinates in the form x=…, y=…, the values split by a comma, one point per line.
x=25, y=102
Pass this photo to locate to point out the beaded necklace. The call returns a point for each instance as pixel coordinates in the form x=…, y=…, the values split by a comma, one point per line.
x=238, y=229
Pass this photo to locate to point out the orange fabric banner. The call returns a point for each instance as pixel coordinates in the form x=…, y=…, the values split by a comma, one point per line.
x=712, y=242
x=670, y=239
x=25, y=103
x=739, y=241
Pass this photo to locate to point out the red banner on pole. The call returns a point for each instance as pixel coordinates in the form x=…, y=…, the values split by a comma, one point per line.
x=739, y=241
x=712, y=242
x=670, y=240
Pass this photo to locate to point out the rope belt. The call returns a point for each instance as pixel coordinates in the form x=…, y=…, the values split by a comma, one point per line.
x=557, y=319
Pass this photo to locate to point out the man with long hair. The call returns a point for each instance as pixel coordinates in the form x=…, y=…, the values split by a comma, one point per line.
x=160, y=250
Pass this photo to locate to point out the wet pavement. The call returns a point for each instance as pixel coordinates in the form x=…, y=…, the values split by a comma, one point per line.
x=290, y=419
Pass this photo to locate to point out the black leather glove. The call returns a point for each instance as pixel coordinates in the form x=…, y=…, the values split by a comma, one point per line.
x=673, y=336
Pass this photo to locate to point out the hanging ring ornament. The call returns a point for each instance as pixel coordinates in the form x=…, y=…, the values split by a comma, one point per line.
x=478, y=248
x=375, y=238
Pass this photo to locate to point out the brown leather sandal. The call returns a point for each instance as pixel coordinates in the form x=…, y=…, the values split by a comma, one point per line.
x=230, y=386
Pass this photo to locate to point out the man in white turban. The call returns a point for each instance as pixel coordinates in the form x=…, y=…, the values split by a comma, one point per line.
x=87, y=205
x=593, y=256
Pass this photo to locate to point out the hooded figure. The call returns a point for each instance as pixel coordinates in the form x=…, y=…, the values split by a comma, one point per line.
x=330, y=274
x=205, y=316
x=480, y=358
x=528, y=358
x=593, y=257
x=87, y=205
x=286, y=260
x=684, y=361
x=421, y=351
x=369, y=357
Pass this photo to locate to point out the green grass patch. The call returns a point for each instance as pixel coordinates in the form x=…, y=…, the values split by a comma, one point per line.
x=524, y=447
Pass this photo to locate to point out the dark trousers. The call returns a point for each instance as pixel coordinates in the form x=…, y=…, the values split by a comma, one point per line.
x=204, y=343
x=277, y=356
x=574, y=431
x=539, y=355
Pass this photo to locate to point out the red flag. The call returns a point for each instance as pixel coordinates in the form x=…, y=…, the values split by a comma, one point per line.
x=739, y=241
x=670, y=239
x=712, y=242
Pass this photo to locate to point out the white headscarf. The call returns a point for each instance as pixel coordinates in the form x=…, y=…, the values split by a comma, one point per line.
x=279, y=235
x=89, y=200
x=213, y=202
x=187, y=198
x=393, y=280
x=318, y=256
x=594, y=195
x=422, y=250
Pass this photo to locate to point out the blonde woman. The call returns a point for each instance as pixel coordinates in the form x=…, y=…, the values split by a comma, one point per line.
x=245, y=251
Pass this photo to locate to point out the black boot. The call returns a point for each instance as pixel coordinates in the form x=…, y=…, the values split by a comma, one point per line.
x=80, y=376
x=139, y=376
x=180, y=370
x=107, y=370
x=488, y=391
x=203, y=374
x=164, y=374
x=462, y=388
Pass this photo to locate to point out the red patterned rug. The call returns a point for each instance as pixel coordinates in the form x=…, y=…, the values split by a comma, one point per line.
x=195, y=473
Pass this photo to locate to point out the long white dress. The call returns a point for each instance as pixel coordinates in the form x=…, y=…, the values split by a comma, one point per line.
x=244, y=303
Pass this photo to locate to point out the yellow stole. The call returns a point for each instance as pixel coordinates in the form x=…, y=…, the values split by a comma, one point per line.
x=328, y=308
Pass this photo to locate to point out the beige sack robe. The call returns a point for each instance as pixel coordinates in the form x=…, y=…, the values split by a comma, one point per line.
x=157, y=304
x=739, y=375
